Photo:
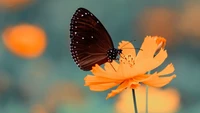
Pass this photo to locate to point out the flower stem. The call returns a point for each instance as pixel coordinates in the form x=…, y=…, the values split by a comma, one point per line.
x=134, y=101
x=147, y=91
x=147, y=98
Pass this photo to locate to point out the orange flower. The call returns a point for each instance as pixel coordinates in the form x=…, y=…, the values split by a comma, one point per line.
x=38, y=108
x=131, y=71
x=14, y=3
x=25, y=40
x=160, y=21
x=160, y=101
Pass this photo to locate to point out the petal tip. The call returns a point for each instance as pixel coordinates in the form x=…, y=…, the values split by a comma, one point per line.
x=174, y=76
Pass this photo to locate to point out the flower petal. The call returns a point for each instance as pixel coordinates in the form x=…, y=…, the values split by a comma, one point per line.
x=148, y=49
x=120, y=88
x=161, y=42
x=124, y=70
x=111, y=67
x=97, y=69
x=157, y=81
x=148, y=64
x=127, y=48
x=95, y=80
x=146, y=56
x=158, y=60
x=97, y=83
x=102, y=87
x=169, y=69
x=109, y=73
x=141, y=78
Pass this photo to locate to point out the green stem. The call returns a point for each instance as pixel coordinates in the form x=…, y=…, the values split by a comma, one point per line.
x=147, y=91
x=147, y=98
x=134, y=101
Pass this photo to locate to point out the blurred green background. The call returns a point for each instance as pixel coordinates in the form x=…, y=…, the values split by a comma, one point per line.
x=52, y=83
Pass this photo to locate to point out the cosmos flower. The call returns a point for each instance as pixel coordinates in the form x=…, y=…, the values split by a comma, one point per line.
x=131, y=70
x=25, y=40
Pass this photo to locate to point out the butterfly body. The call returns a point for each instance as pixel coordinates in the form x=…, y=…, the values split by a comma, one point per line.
x=113, y=53
x=90, y=42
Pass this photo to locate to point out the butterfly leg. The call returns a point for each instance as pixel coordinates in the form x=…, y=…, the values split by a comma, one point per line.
x=113, y=67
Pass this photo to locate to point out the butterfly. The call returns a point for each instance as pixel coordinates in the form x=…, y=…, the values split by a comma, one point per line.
x=90, y=42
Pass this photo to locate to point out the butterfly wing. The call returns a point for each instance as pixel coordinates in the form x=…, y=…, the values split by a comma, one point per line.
x=89, y=40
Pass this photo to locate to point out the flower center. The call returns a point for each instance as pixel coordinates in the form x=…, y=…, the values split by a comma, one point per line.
x=127, y=59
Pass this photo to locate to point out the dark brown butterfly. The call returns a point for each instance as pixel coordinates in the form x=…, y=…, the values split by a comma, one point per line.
x=90, y=42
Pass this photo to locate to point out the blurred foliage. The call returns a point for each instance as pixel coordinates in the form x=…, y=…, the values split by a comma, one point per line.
x=25, y=83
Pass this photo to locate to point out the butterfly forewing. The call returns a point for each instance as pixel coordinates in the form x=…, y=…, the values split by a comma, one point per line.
x=89, y=40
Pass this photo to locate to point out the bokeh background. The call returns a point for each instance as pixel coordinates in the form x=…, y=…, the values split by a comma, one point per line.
x=38, y=75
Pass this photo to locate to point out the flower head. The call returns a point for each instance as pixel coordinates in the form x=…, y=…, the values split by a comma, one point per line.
x=131, y=69
x=25, y=40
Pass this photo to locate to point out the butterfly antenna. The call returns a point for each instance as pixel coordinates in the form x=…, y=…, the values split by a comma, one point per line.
x=127, y=43
x=134, y=48
x=130, y=48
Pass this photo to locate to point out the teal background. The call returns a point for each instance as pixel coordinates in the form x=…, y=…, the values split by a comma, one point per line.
x=26, y=83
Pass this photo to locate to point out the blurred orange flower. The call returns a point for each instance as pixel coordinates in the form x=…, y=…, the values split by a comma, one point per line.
x=189, y=23
x=25, y=40
x=159, y=21
x=38, y=108
x=160, y=101
x=130, y=72
x=13, y=3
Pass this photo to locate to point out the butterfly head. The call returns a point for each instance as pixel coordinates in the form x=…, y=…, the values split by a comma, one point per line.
x=113, y=53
